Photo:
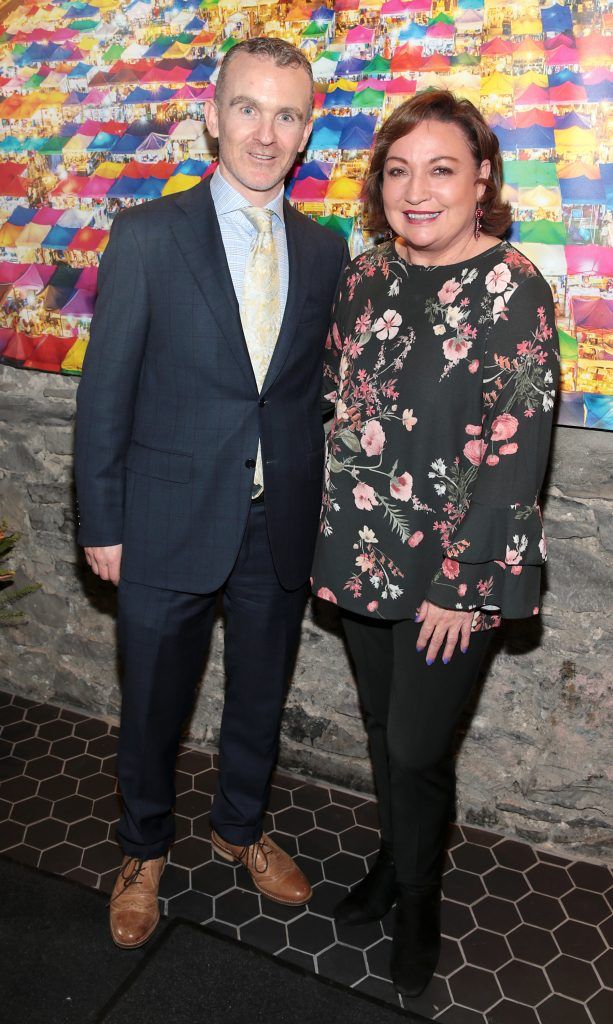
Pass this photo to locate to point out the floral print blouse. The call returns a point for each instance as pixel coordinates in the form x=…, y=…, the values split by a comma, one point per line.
x=435, y=493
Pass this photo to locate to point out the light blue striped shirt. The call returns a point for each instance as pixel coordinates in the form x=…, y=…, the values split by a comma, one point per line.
x=238, y=234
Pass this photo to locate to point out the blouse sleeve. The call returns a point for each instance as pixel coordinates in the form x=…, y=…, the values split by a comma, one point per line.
x=334, y=348
x=495, y=556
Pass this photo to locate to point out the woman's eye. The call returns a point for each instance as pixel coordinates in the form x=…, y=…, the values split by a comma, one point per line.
x=442, y=170
x=395, y=172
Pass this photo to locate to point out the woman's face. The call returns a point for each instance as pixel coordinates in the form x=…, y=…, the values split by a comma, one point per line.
x=429, y=191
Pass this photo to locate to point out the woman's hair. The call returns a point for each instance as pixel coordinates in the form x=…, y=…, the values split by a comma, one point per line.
x=439, y=105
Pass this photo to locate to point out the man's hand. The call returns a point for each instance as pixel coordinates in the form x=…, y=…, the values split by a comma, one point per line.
x=105, y=562
x=442, y=626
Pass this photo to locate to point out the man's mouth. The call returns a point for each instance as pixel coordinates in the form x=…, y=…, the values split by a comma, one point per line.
x=262, y=157
x=417, y=218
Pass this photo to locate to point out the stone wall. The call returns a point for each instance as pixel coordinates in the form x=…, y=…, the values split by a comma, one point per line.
x=535, y=760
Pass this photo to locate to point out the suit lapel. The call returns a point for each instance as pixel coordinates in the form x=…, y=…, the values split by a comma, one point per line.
x=198, y=236
x=300, y=265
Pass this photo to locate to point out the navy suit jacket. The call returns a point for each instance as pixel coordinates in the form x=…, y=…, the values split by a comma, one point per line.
x=168, y=410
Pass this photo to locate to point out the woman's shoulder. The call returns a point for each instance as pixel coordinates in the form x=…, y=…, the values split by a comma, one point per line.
x=375, y=255
x=518, y=265
x=369, y=269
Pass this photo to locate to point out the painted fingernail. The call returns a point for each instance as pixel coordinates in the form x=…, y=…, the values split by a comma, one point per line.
x=429, y=661
x=420, y=649
x=463, y=649
x=445, y=661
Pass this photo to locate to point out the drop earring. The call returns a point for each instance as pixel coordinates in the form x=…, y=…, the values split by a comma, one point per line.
x=478, y=219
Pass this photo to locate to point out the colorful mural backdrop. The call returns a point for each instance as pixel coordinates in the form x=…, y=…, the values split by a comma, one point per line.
x=101, y=107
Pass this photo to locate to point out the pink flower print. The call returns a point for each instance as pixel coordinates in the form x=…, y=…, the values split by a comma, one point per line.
x=365, y=497
x=401, y=487
x=326, y=595
x=535, y=611
x=512, y=556
x=473, y=429
x=386, y=326
x=508, y=449
x=449, y=291
x=408, y=419
x=516, y=570
x=543, y=547
x=456, y=349
x=498, y=279
x=451, y=568
x=364, y=562
x=415, y=539
x=373, y=438
x=462, y=590
x=473, y=366
x=362, y=324
x=492, y=460
x=504, y=426
x=439, y=328
x=499, y=309
x=474, y=451
x=372, y=606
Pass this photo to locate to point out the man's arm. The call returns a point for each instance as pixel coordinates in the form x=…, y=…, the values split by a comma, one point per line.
x=106, y=398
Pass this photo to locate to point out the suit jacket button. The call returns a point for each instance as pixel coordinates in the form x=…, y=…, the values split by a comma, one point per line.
x=250, y=463
x=262, y=403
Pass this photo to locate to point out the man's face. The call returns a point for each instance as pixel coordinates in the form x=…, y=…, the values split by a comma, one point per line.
x=262, y=121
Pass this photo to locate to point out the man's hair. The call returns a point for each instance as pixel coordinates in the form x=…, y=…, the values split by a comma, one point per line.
x=439, y=105
x=284, y=55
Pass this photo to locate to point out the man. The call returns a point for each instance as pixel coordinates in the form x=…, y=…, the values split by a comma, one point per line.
x=199, y=456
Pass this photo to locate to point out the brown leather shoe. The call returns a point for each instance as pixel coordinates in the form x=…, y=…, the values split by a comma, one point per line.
x=134, y=901
x=272, y=869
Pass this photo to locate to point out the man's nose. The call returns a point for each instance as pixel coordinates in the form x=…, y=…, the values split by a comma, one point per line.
x=266, y=130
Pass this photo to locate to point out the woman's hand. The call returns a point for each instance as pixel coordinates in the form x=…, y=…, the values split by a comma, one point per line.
x=442, y=626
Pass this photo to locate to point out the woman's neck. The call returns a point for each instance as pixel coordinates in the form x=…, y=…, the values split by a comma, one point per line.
x=464, y=249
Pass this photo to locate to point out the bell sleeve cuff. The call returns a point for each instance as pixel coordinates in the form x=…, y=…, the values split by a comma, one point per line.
x=494, y=563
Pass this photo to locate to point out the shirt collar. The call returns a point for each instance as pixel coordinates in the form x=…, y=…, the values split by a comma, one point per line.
x=227, y=200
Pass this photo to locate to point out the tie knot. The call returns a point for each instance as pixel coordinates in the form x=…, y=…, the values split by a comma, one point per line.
x=259, y=217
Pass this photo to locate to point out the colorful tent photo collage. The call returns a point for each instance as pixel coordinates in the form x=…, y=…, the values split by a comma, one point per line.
x=102, y=107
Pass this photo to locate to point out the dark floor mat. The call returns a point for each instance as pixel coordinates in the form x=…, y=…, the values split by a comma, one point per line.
x=196, y=976
x=58, y=963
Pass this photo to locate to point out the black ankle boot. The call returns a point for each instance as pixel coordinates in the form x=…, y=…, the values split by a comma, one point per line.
x=417, y=938
x=371, y=898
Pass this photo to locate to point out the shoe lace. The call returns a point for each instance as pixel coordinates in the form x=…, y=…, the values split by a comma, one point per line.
x=261, y=846
x=130, y=874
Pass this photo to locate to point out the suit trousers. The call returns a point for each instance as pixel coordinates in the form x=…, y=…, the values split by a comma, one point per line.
x=163, y=639
x=411, y=713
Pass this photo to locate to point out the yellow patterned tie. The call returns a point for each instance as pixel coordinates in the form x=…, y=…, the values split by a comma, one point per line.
x=260, y=307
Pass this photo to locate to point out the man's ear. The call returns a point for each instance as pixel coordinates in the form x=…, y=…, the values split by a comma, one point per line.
x=211, y=117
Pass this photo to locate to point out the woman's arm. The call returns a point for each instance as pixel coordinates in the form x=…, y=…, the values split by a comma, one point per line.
x=494, y=558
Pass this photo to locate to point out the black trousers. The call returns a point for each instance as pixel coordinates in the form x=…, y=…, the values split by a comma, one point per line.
x=163, y=637
x=411, y=713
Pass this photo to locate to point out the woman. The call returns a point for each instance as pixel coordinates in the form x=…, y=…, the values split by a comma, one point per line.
x=442, y=363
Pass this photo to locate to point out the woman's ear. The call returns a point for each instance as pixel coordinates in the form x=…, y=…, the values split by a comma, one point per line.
x=484, y=172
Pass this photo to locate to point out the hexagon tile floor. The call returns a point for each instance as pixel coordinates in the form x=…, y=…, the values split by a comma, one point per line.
x=528, y=936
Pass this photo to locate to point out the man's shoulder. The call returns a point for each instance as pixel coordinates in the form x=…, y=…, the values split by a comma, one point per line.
x=318, y=234
x=160, y=213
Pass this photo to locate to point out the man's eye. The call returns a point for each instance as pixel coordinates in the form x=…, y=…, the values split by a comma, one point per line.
x=247, y=110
